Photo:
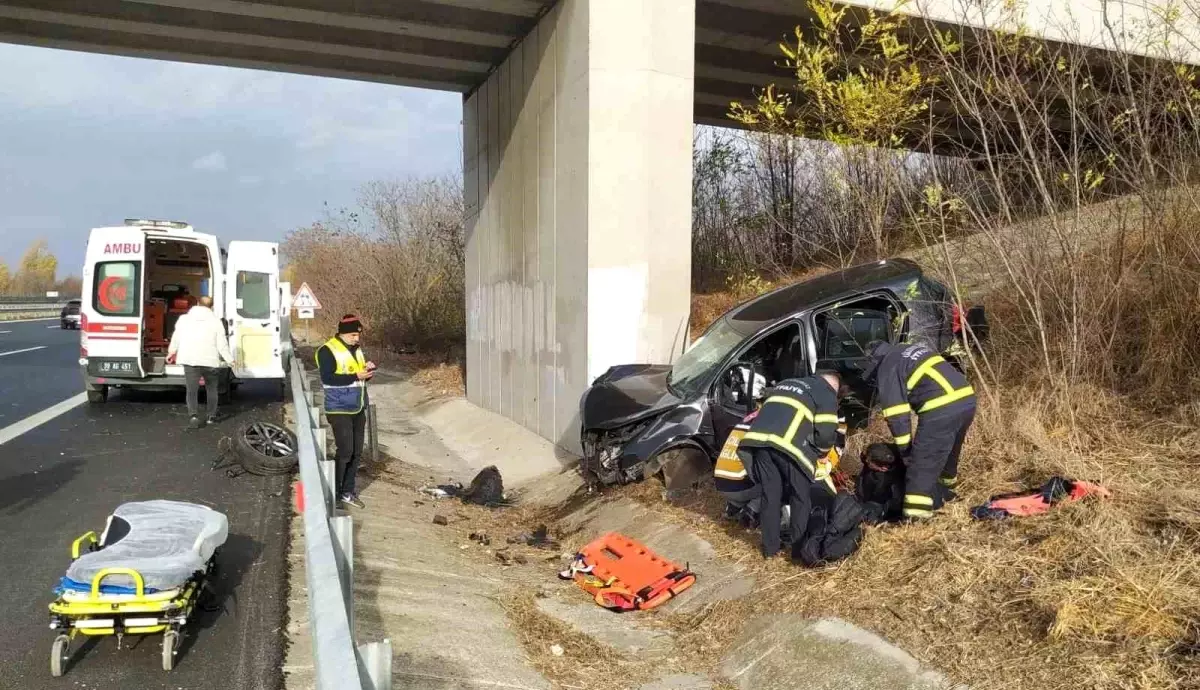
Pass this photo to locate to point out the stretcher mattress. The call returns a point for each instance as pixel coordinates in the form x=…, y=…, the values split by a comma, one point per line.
x=166, y=541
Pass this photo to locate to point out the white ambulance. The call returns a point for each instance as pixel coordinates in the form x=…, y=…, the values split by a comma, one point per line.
x=139, y=278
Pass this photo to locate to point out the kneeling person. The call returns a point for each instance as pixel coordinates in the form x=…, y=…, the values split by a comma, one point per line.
x=794, y=430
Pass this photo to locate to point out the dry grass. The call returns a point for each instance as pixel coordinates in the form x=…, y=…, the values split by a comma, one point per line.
x=440, y=374
x=1094, y=595
x=1100, y=594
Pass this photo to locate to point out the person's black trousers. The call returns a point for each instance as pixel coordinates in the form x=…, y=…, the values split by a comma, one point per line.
x=348, y=433
x=935, y=450
x=212, y=381
x=782, y=481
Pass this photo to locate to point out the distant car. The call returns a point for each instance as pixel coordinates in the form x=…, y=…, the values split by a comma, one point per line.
x=639, y=420
x=69, y=316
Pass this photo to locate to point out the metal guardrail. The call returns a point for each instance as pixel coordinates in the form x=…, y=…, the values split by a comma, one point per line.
x=339, y=663
x=43, y=306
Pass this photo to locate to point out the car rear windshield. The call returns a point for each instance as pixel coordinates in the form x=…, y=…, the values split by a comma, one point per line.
x=117, y=288
x=72, y=307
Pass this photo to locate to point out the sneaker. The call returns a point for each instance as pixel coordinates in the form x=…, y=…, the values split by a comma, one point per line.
x=352, y=500
x=195, y=423
x=216, y=419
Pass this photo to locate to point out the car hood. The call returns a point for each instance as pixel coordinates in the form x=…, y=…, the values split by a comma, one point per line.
x=625, y=394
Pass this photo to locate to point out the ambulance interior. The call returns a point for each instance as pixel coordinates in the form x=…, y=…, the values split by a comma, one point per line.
x=178, y=273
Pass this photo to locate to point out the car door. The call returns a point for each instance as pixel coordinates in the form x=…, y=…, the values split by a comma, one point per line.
x=842, y=336
x=253, y=309
x=111, y=315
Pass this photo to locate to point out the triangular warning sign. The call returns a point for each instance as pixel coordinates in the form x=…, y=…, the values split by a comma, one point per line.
x=305, y=299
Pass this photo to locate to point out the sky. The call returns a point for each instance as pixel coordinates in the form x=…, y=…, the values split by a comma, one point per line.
x=88, y=140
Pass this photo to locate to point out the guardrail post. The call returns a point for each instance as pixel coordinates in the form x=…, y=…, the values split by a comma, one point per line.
x=373, y=433
x=343, y=539
x=329, y=482
x=377, y=663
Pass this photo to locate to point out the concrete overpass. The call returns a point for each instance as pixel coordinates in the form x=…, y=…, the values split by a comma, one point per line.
x=577, y=122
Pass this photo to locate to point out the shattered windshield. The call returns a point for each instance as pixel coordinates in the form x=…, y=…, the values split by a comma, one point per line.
x=695, y=368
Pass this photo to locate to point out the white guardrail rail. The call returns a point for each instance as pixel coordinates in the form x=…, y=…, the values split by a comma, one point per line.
x=339, y=663
x=43, y=306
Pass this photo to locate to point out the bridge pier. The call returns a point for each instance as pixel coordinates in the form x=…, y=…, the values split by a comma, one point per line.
x=578, y=172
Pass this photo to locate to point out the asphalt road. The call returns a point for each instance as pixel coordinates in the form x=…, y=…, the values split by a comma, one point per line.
x=64, y=477
x=35, y=379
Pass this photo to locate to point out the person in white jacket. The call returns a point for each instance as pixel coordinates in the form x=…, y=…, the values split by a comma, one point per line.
x=199, y=344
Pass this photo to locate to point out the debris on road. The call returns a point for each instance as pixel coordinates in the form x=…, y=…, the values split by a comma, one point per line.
x=440, y=520
x=481, y=537
x=442, y=490
x=539, y=538
x=486, y=489
x=1025, y=503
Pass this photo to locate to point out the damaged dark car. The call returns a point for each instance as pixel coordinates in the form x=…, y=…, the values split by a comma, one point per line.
x=640, y=420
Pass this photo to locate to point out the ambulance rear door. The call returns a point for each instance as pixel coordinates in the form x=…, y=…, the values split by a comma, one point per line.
x=253, y=309
x=111, y=310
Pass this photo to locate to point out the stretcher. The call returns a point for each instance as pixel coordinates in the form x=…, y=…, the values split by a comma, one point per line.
x=142, y=576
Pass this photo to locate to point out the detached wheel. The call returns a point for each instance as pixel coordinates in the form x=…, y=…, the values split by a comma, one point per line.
x=170, y=645
x=97, y=395
x=266, y=449
x=60, y=651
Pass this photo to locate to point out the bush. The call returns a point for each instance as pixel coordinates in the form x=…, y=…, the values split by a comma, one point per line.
x=397, y=260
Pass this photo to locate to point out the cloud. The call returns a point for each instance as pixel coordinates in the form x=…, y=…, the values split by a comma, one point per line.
x=249, y=180
x=214, y=162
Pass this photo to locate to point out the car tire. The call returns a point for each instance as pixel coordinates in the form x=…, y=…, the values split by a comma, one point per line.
x=97, y=395
x=680, y=469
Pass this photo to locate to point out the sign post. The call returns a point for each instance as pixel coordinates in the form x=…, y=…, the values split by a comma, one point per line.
x=305, y=303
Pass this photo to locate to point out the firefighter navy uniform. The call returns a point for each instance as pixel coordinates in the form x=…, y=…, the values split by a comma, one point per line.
x=782, y=452
x=914, y=378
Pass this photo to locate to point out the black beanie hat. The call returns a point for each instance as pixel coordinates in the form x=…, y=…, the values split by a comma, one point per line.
x=349, y=324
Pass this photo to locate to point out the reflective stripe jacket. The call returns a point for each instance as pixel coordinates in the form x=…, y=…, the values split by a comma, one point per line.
x=799, y=417
x=729, y=474
x=914, y=378
x=343, y=398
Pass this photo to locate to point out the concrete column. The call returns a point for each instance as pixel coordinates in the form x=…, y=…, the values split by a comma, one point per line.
x=578, y=182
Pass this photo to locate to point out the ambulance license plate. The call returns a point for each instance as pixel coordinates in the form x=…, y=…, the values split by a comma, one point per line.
x=114, y=366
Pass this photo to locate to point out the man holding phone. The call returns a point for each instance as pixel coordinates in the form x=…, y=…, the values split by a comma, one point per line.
x=344, y=375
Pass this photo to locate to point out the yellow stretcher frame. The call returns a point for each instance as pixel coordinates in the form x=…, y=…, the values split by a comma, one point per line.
x=171, y=610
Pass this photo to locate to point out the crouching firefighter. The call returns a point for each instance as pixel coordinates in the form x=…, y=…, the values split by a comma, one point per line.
x=795, y=428
x=914, y=378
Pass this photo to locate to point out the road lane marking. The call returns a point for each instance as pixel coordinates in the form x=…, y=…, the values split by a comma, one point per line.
x=3, y=332
x=58, y=327
x=8, y=321
x=17, y=352
x=35, y=420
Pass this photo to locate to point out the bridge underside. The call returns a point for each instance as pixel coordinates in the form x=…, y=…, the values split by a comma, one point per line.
x=450, y=45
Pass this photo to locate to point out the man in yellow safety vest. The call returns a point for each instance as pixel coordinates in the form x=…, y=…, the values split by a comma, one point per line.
x=344, y=375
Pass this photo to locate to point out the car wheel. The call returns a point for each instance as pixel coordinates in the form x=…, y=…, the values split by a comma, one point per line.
x=681, y=470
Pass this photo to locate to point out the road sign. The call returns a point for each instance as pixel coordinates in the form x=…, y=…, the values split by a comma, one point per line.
x=306, y=313
x=305, y=299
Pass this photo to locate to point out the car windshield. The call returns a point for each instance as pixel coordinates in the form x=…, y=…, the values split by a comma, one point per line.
x=695, y=368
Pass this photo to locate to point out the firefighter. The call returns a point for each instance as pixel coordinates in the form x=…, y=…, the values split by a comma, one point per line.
x=795, y=428
x=914, y=378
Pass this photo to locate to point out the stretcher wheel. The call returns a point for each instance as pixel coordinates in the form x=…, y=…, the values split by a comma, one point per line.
x=169, y=645
x=60, y=651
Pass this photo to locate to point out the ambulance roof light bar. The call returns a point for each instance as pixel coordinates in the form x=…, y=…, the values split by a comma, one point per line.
x=169, y=224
